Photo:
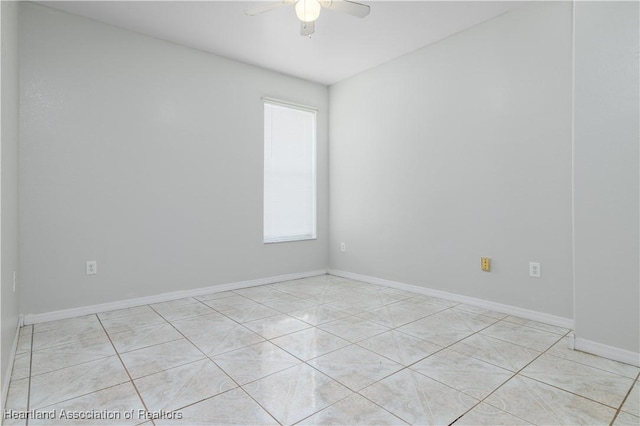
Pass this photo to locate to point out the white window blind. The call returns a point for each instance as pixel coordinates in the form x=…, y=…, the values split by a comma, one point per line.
x=289, y=172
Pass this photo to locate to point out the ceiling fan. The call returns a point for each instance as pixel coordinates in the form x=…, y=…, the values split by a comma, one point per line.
x=309, y=10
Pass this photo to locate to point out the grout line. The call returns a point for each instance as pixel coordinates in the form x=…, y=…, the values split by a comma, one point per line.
x=30, y=367
x=324, y=291
x=144, y=404
x=406, y=367
x=515, y=374
x=518, y=373
x=238, y=386
x=635, y=383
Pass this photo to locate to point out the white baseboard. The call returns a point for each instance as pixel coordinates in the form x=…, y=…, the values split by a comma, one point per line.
x=606, y=351
x=147, y=300
x=6, y=378
x=485, y=304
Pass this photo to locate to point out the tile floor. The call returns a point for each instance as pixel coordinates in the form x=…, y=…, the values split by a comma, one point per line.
x=321, y=350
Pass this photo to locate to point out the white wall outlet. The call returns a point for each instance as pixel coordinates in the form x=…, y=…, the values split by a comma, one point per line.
x=343, y=247
x=92, y=267
x=534, y=269
x=14, y=281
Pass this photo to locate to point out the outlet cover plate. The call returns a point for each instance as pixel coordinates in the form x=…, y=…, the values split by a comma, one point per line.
x=534, y=269
x=92, y=267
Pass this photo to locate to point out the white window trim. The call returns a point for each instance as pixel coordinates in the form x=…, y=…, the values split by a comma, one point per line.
x=274, y=101
x=314, y=235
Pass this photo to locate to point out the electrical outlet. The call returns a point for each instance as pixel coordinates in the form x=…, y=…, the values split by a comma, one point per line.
x=92, y=267
x=534, y=269
x=485, y=264
x=343, y=247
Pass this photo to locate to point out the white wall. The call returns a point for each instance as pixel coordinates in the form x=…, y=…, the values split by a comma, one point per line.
x=133, y=154
x=607, y=132
x=459, y=150
x=147, y=157
x=9, y=122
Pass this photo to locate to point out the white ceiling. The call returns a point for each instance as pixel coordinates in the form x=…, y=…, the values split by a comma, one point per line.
x=341, y=46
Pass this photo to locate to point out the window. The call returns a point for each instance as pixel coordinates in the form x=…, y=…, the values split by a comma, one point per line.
x=289, y=172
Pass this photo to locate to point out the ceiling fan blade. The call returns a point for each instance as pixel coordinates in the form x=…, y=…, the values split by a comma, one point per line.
x=307, y=28
x=267, y=7
x=349, y=7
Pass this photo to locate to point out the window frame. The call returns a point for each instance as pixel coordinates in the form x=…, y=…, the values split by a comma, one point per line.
x=314, y=173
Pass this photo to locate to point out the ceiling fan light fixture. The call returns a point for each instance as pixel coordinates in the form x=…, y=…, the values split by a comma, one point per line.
x=308, y=10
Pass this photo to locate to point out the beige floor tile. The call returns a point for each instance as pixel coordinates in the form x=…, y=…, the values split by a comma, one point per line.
x=21, y=366
x=356, y=303
x=361, y=335
x=131, y=322
x=386, y=298
x=18, y=420
x=172, y=304
x=221, y=339
x=72, y=382
x=399, y=314
x=480, y=311
x=154, y=359
x=82, y=323
x=353, y=410
x=60, y=336
x=255, y=362
x=417, y=399
x=464, y=373
x=310, y=343
x=598, y=385
x=353, y=329
x=286, y=306
x=321, y=296
x=198, y=325
x=399, y=347
x=294, y=394
x=296, y=292
x=233, y=407
x=533, y=338
x=181, y=386
x=24, y=339
x=139, y=338
x=216, y=295
x=251, y=313
x=538, y=325
x=562, y=350
x=398, y=291
x=119, y=313
x=316, y=315
x=484, y=414
x=539, y=403
x=355, y=367
x=626, y=419
x=18, y=395
x=26, y=330
x=260, y=294
x=117, y=405
x=182, y=308
x=420, y=298
x=632, y=403
x=447, y=327
x=231, y=303
x=497, y=352
x=276, y=326
x=61, y=356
